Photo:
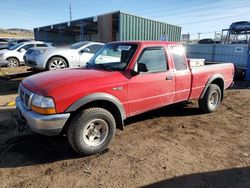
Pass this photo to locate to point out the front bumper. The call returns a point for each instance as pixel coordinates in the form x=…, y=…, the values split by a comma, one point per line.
x=44, y=124
x=35, y=60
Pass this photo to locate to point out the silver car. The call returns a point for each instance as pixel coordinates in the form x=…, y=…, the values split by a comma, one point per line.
x=77, y=55
x=13, y=56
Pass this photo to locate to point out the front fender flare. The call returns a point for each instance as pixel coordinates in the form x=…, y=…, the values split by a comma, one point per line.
x=95, y=97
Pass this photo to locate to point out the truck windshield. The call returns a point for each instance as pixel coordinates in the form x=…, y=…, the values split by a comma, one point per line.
x=113, y=56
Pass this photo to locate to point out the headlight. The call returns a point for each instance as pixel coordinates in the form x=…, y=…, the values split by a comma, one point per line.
x=43, y=105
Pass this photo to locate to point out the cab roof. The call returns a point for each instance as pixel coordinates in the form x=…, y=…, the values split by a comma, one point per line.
x=146, y=42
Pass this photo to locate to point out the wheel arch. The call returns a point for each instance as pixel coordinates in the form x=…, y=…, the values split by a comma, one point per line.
x=103, y=100
x=64, y=58
x=14, y=58
x=217, y=79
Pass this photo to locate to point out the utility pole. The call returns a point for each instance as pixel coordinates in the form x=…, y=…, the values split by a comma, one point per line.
x=199, y=35
x=215, y=36
x=70, y=13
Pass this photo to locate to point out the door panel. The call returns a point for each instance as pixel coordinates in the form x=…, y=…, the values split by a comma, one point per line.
x=150, y=91
x=182, y=85
x=155, y=86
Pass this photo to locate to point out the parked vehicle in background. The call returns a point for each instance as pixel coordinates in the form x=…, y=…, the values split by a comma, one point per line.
x=208, y=41
x=4, y=43
x=123, y=79
x=12, y=42
x=77, y=55
x=13, y=56
x=17, y=41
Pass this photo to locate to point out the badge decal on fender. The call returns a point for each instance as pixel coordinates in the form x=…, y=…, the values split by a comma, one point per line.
x=117, y=88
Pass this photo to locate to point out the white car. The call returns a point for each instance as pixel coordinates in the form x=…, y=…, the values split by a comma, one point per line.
x=77, y=55
x=13, y=56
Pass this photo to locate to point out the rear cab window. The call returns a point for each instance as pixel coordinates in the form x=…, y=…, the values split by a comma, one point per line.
x=179, y=57
x=154, y=58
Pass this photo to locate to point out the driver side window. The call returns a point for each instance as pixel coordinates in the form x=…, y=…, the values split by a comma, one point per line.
x=154, y=59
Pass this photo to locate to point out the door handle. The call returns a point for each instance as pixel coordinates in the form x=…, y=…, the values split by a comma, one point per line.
x=169, y=78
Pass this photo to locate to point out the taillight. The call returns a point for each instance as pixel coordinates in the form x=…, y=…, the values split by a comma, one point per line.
x=233, y=72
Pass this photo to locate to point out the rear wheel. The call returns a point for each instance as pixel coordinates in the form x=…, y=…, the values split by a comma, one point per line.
x=211, y=99
x=13, y=62
x=56, y=63
x=91, y=130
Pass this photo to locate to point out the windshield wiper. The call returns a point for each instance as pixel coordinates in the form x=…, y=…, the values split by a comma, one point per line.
x=105, y=66
x=89, y=64
x=99, y=66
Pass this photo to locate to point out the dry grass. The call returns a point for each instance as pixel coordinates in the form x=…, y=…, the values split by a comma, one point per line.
x=14, y=35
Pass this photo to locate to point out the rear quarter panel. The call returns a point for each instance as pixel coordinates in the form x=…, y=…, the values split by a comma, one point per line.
x=201, y=76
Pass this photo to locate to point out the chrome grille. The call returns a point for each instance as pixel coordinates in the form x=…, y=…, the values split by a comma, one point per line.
x=25, y=96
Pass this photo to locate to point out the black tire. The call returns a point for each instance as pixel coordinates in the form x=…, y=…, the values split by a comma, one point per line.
x=56, y=63
x=13, y=62
x=211, y=99
x=82, y=123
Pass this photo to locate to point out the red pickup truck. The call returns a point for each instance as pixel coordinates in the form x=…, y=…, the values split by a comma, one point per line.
x=122, y=80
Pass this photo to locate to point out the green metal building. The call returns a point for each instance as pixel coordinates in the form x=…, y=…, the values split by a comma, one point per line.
x=115, y=26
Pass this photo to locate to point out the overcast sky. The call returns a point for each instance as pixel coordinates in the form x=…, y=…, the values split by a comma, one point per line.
x=204, y=16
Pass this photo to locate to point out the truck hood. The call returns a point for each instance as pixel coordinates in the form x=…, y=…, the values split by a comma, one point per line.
x=51, y=82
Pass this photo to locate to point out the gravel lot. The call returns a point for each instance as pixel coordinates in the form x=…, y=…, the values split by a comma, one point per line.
x=175, y=146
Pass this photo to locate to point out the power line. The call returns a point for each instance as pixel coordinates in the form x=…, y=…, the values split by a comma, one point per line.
x=196, y=9
x=202, y=33
x=214, y=19
x=194, y=14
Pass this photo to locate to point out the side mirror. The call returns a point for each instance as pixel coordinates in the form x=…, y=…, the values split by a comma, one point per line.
x=85, y=50
x=134, y=73
x=142, y=67
x=22, y=50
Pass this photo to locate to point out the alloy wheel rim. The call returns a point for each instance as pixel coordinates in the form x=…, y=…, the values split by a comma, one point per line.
x=95, y=133
x=57, y=64
x=12, y=63
x=213, y=99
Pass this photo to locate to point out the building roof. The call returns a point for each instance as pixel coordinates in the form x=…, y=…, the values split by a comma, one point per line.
x=91, y=18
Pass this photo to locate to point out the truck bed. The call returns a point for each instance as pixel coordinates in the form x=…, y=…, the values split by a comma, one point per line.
x=202, y=74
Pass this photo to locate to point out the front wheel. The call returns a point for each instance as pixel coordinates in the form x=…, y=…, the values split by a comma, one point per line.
x=91, y=130
x=211, y=100
x=12, y=62
x=56, y=63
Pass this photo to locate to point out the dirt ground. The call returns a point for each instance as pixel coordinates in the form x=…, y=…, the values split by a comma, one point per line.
x=9, y=81
x=175, y=146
